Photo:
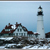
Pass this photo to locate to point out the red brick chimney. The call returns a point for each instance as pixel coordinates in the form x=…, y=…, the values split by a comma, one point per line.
x=9, y=24
x=6, y=25
x=20, y=23
x=16, y=23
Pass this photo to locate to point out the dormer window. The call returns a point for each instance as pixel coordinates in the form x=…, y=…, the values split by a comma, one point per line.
x=7, y=29
x=17, y=29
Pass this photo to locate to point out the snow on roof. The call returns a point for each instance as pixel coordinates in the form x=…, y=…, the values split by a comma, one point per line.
x=13, y=27
x=36, y=32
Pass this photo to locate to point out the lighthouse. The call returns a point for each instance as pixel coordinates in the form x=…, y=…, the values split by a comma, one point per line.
x=40, y=24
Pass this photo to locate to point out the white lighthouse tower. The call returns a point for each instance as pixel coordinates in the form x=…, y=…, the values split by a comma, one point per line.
x=40, y=25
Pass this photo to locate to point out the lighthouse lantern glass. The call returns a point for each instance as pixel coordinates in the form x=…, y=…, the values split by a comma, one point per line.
x=40, y=9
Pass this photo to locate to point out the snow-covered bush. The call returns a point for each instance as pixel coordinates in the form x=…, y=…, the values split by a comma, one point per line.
x=40, y=43
x=18, y=46
x=1, y=42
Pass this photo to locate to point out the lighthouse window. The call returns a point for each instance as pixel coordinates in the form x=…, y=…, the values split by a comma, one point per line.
x=42, y=28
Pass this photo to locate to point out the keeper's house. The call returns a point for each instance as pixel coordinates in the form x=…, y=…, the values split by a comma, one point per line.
x=16, y=30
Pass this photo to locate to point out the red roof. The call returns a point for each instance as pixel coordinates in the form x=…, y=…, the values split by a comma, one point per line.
x=47, y=33
x=8, y=27
x=30, y=32
x=12, y=30
x=4, y=32
x=17, y=25
x=24, y=28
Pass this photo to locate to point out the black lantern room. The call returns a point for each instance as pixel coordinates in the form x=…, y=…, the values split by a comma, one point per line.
x=40, y=12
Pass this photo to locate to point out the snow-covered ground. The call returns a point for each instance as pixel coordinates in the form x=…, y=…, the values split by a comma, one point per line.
x=48, y=39
x=9, y=45
x=26, y=47
x=29, y=46
x=1, y=47
x=6, y=38
x=36, y=47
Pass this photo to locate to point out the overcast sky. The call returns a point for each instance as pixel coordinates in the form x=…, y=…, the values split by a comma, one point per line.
x=24, y=13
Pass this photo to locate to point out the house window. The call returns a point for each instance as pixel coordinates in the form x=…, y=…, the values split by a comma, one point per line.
x=9, y=29
x=19, y=34
x=9, y=34
x=22, y=34
x=16, y=34
x=13, y=34
x=20, y=29
x=29, y=35
x=36, y=36
x=6, y=29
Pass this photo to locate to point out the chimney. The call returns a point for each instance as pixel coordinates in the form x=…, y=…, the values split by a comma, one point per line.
x=9, y=24
x=20, y=23
x=16, y=23
x=6, y=25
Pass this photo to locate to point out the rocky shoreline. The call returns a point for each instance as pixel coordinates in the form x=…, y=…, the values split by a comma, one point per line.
x=21, y=42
